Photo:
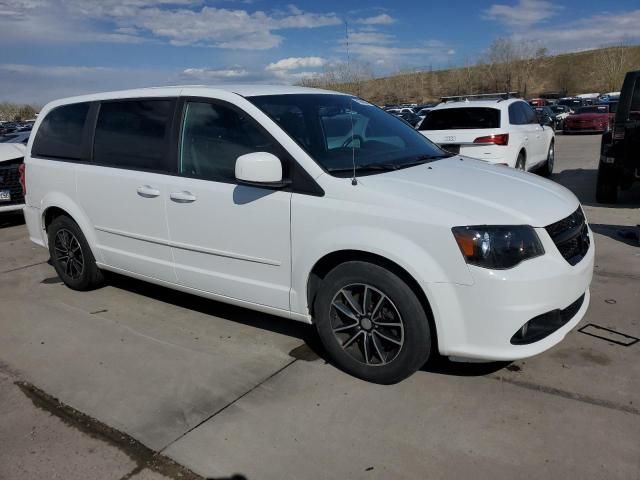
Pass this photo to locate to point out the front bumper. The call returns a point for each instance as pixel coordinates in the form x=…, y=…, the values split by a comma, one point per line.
x=478, y=321
x=11, y=208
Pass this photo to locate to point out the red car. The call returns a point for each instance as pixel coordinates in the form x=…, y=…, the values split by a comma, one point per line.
x=593, y=118
x=538, y=102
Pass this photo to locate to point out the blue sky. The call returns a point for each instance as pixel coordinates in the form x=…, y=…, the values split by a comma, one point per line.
x=55, y=48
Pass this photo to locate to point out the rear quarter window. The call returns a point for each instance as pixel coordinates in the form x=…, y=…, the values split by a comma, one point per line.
x=60, y=134
x=470, y=118
x=134, y=134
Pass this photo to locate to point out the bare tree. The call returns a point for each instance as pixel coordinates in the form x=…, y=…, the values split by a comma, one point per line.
x=610, y=66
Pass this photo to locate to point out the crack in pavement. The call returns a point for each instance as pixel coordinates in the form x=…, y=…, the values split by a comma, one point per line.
x=23, y=267
x=223, y=408
x=566, y=394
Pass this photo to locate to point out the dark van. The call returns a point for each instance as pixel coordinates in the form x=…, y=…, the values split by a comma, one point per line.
x=619, y=165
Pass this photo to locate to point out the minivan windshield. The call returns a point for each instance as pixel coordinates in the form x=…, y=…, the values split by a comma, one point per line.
x=338, y=131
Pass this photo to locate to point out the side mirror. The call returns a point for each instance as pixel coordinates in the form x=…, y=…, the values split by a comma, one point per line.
x=260, y=169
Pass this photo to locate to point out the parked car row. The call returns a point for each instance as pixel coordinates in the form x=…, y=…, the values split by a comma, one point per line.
x=12, y=151
x=11, y=127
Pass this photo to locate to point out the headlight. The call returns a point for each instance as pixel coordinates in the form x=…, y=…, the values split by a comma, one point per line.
x=497, y=247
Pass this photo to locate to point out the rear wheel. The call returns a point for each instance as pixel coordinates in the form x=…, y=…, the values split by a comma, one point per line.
x=606, y=185
x=71, y=256
x=547, y=168
x=371, y=323
x=521, y=163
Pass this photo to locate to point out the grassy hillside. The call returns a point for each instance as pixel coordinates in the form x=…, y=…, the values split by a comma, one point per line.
x=599, y=70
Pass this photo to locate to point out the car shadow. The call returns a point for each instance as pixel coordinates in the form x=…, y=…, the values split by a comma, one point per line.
x=309, y=351
x=582, y=182
x=622, y=233
x=11, y=219
x=443, y=366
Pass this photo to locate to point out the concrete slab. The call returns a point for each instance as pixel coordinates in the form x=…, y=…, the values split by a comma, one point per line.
x=15, y=249
x=35, y=444
x=311, y=422
x=142, y=364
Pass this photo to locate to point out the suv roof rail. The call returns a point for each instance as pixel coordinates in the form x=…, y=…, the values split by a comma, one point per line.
x=481, y=96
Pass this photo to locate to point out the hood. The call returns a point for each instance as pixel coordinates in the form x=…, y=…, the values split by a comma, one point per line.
x=11, y=151
x=471, y=192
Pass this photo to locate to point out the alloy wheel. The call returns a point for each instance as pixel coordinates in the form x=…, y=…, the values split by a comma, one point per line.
x=69, y=253
x=367, y=324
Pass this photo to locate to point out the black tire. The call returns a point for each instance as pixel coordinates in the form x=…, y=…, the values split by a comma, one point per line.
x=547, y=169
x=71, y=255
x=606, y=185
x=387, y=362
x=521, y=161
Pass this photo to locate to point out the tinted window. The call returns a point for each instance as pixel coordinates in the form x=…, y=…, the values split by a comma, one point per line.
x=516, y=115
x=529, y=114
x=214, y=136
x=461, y=118
x=8, y=138
x=61, y=132
x=375, y=141
x=635, y=99
x=133, y=134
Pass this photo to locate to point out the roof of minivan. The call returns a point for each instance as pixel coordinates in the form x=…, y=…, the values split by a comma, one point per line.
x=244, y=90
x=479, y=103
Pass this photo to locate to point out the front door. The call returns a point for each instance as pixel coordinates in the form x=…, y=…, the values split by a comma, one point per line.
x=228, y=239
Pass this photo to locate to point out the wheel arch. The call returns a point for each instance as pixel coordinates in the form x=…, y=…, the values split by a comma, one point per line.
x=331, y=260
x=58, y=204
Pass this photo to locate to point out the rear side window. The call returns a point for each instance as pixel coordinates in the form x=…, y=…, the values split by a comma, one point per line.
x=134, y=134
x=60, y=134
x=462, y=119
x=529, y=113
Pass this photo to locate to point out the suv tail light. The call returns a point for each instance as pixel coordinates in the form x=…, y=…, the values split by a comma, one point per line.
x=22, y=170
x=501, y=139
x=618, y=133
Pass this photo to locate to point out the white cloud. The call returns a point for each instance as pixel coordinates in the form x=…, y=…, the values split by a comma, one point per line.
x=382, y=19
x=294, y=63
x=179, y=22
x=523, y=14
x=370, y=37
x=213, y=74
x=593, y=32
x=41, y=84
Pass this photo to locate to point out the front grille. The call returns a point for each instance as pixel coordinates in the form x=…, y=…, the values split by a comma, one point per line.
x=571, y=236
x=544, y=325
x=10, y=180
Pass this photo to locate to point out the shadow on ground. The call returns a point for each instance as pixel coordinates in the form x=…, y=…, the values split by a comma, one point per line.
x=11, y=219
x=311, y=350
x=582, y=182
x=621, y=233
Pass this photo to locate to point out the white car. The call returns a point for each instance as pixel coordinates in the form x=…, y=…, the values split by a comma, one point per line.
x=314, y=206
x=496, y=131
x=12, y=150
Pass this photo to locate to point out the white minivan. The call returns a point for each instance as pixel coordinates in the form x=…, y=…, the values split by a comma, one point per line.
x=315, y=206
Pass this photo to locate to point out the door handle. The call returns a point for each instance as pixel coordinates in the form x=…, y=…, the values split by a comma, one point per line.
x=147, y=191
x=182, y=197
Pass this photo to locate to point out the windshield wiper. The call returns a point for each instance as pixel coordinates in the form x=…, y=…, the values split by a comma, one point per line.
x=419, y=160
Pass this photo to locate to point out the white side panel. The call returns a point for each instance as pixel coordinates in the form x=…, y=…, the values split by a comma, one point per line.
x=131, y=229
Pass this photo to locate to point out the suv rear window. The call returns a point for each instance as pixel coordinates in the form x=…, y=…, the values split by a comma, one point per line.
x=60, y=134
x=134, y=134
x=466, y=118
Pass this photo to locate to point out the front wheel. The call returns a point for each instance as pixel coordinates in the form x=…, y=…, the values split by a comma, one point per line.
x=71, y=256
x=371, y=323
